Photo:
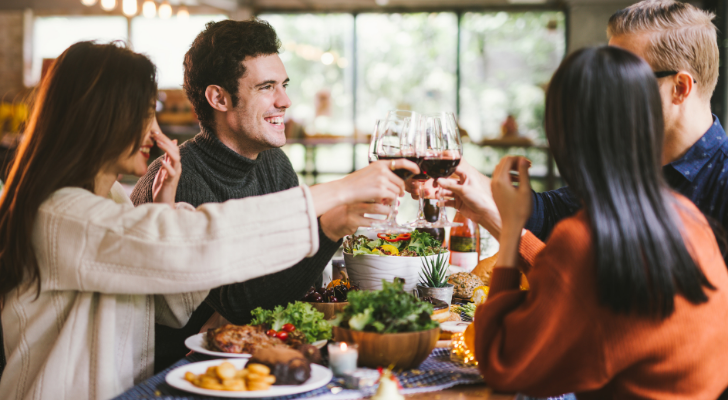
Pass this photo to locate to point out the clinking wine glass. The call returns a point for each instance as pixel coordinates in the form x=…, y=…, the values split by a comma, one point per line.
x=418, y=141
x=391, y=141
x=441, y=155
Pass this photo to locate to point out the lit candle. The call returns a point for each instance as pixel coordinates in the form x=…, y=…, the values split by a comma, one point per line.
x=343, y=357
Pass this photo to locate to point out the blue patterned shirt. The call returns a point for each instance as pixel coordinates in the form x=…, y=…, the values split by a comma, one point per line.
x=700, y=175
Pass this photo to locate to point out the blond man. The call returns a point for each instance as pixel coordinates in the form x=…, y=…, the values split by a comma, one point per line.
x=679, y=42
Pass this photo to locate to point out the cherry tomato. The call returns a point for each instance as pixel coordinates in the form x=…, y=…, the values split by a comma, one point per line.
x=271, y=332
x=288, y=327
x=283, y=335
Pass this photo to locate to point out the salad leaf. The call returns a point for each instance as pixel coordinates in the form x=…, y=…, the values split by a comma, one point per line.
x=302, y=315
x=420, y=244
x=389, y=310
x=420, y=241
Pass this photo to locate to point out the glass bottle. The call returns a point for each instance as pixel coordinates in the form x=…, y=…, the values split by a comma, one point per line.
x=464, y=243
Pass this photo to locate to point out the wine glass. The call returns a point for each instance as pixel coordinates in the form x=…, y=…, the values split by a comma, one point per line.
x=418, y=141
x=443, y=149
x=389, y=142
x=372, y=153
x=394, y=142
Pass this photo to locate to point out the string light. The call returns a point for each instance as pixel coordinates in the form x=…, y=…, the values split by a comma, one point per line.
x=149, y=9
x=459, y=352
x=129, y=7
x=108, y=5
x=165, y=10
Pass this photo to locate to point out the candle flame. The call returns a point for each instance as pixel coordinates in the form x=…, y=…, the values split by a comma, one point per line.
x=343, y=347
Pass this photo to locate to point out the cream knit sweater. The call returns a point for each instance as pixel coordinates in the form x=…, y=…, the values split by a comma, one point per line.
x=110, y=270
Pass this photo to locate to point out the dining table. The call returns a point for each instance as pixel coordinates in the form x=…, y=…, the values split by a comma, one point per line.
x=437, y=378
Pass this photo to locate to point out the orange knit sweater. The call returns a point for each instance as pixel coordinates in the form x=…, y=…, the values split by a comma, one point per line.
x=556, y=338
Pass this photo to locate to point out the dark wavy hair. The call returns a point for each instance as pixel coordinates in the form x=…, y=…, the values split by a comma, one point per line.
x=605, y=127
x=91, y=108
x=216, y=58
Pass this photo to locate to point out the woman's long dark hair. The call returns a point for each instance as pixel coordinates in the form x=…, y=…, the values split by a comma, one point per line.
x=91, y=108
x=605, y=127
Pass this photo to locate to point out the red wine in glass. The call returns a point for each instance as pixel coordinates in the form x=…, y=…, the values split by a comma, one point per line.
x=421, y=176
x=400, y=172
x=439, y=167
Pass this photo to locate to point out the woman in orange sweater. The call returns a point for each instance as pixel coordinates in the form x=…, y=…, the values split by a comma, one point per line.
x=629, y=297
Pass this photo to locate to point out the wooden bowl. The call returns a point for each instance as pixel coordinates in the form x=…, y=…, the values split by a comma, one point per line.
x=402, y=350
x=329, y=309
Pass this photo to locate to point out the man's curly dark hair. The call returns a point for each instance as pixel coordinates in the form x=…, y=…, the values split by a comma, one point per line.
x=215, y=58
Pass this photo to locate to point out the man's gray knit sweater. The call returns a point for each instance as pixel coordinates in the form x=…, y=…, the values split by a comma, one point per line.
x=212, y=172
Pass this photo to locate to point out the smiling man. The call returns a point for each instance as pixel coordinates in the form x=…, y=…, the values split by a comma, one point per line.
x=237, y=85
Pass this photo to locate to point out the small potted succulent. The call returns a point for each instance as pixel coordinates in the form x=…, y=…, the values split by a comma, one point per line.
x=433, y=279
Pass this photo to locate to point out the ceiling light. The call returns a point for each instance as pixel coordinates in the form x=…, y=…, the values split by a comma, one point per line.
x=88, y=2
x=165, y=10
x=108, y=5
x=129, y=7
x=182, y=13
x=149, y=9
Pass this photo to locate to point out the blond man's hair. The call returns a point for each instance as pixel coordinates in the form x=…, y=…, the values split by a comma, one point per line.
x=682, y=37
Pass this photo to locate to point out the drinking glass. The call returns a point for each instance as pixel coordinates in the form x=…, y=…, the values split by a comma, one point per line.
x=443, y=149
x=391, y=141
x=418, y=141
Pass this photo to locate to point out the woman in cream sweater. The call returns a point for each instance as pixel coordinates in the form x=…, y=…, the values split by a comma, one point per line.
x=85, y=275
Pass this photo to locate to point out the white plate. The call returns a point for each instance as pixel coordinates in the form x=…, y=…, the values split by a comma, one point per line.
x=320, y=376
x=197, y=343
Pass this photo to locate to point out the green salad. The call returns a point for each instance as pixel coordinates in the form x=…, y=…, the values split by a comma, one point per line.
x=302, y=315
x=413, y=244
x=390, y=310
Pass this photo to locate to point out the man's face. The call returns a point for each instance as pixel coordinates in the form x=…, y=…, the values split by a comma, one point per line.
x=262, y=103
x=637, y=44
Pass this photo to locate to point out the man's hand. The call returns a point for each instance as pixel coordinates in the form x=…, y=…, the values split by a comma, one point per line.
x=345, y=220
x=413, y=187
x=375, y=183
x=472, y=197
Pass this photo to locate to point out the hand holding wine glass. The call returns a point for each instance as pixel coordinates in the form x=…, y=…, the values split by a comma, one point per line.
x=442, y=155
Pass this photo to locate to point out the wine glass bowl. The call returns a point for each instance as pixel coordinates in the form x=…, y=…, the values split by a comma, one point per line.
x=442, y=149
x=392, y=141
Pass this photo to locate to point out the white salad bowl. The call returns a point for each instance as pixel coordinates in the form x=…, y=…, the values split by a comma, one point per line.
x=368, y=270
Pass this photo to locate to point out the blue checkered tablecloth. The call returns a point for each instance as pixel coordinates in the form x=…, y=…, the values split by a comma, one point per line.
x=436, y=373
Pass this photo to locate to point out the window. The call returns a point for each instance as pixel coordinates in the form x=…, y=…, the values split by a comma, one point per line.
x=405, y=61
x=317, y=52
x=53, y=35
x=166, y=41
x=506, y=62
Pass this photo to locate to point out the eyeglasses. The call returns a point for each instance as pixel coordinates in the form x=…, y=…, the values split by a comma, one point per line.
x=662, y=74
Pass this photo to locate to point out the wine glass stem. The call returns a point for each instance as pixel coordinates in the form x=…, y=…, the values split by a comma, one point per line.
x=421, y=211
x=393, y=214
x=442, y=218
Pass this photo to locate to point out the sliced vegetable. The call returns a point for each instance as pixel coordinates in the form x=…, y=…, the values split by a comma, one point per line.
x=389, y=249
x=414, y=244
